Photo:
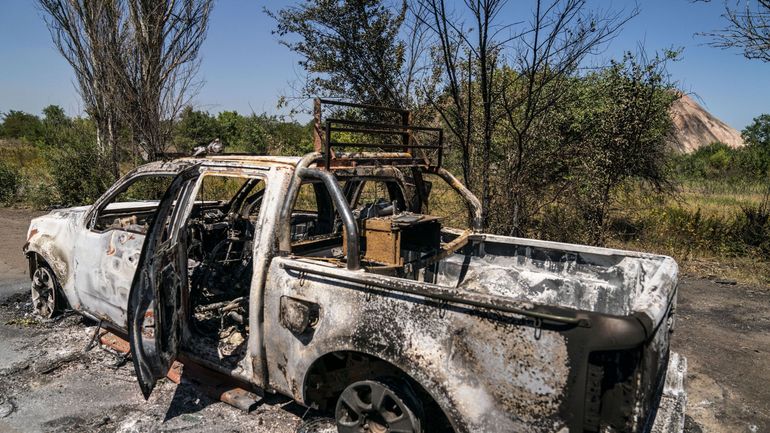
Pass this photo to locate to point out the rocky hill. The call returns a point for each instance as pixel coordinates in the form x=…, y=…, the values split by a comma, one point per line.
x=695, y=127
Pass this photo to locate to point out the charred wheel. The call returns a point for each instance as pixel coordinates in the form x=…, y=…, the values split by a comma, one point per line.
x=379, y=406
x=45, y=293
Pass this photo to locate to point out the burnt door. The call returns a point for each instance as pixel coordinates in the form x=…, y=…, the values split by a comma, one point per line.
x=154, y=303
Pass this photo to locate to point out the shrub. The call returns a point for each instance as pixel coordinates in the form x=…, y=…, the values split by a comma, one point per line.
x=9, y=183
x=752, y=227
x=79, y=173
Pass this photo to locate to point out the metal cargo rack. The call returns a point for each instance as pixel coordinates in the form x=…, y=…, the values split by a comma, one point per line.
x=399, y=145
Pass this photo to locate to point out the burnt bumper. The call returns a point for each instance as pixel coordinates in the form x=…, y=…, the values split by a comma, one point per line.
x=670, y=414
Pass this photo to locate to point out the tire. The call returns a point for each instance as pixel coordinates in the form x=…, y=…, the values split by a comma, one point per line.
x=379, y=406
x=45, y=292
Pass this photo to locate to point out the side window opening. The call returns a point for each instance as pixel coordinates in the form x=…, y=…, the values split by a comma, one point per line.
x=221, y=232
x=313, y=214
x=133, y=208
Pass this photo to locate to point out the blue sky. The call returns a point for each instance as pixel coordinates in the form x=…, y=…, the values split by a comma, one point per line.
x=246, y=69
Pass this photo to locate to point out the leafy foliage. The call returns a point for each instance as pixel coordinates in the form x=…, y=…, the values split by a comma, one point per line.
x=9, y=183
x=259, y=134
x=21, y=125
x=79, y=172
x=623, y=122
x=349, y=49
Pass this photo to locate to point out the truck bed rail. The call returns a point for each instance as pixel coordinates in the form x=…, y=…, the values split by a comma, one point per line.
x=438, y=293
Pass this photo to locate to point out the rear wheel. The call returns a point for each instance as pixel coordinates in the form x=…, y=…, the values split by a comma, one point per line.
x=379, y=406
x=45, y=292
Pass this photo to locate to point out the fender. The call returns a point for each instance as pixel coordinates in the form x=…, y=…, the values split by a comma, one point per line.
x=45, y=247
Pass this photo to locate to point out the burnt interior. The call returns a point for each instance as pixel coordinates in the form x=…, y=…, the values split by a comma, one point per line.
x=220, y=236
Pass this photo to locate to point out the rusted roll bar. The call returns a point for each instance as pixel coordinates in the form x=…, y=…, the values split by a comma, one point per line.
x=354, y=260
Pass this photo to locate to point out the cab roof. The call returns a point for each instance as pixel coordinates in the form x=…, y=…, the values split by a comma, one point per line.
x=253, y=160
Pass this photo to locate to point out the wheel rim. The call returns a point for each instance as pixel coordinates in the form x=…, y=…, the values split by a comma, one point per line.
x=371, y=407
x=43, y=293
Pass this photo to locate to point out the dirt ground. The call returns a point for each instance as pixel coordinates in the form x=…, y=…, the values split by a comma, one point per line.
x=48, y=383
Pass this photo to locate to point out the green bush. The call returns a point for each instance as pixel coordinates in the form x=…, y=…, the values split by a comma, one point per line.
x=9, y=183
x=79, y=173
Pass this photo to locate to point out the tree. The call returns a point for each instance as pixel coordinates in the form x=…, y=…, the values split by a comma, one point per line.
x=156, y=70
x=195, y=128
x=755, y=157
x=623, y=122
x=89, y=35
x=21, y=125
x=748, y=29
x=55, y=117
x=55, y=124
x=134, y=61
x=499, y=85
x=349, y=49
x=758, y=133
x=465, y=64
x=231, y=128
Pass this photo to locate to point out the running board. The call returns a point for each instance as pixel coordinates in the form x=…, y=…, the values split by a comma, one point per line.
x=214, y=384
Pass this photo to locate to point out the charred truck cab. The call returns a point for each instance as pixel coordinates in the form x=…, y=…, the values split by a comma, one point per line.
x=332, y=279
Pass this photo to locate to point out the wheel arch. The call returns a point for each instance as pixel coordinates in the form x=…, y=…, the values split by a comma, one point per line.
x=334, y=371
x=44, y=251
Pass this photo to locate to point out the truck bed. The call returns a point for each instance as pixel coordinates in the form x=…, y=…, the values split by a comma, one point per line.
x=599, y=280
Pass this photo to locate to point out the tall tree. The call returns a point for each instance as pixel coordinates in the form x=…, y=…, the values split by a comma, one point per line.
x=748, y=29
x=559, y=37
x=349, y=49
x=466, y=63
x=88, y=34
x=516, y=75
x=134, y=61
x=158, y=66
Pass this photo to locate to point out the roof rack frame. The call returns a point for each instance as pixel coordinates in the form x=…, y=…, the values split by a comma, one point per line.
x=323, y=130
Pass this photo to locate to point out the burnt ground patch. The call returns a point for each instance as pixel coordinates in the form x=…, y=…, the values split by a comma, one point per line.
x=49, y=383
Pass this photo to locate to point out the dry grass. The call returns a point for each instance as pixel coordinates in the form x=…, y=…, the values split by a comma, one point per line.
x=719, y=199
x=696, y=226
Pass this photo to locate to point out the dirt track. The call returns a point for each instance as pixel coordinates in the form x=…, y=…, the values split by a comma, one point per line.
x=48, y=384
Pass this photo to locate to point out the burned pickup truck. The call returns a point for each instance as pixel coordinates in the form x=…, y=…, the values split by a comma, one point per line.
x=327, y=279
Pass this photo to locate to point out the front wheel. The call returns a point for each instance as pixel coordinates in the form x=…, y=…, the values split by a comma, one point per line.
x=379, y=406
x=45, y=293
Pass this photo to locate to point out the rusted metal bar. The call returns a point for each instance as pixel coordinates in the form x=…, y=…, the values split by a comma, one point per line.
x=368, y=130
x=348, y=220
x=383, y=125
x=369, y=161
x=473, y=202
x=364, y=106
x=439, y=293
x=383, y=145
x=219, y=386
x=328, y=145
x=449, y=249
x=404, y=129
x=317, y=144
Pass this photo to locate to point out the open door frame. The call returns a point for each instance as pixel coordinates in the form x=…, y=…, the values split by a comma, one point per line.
x=154, y=302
